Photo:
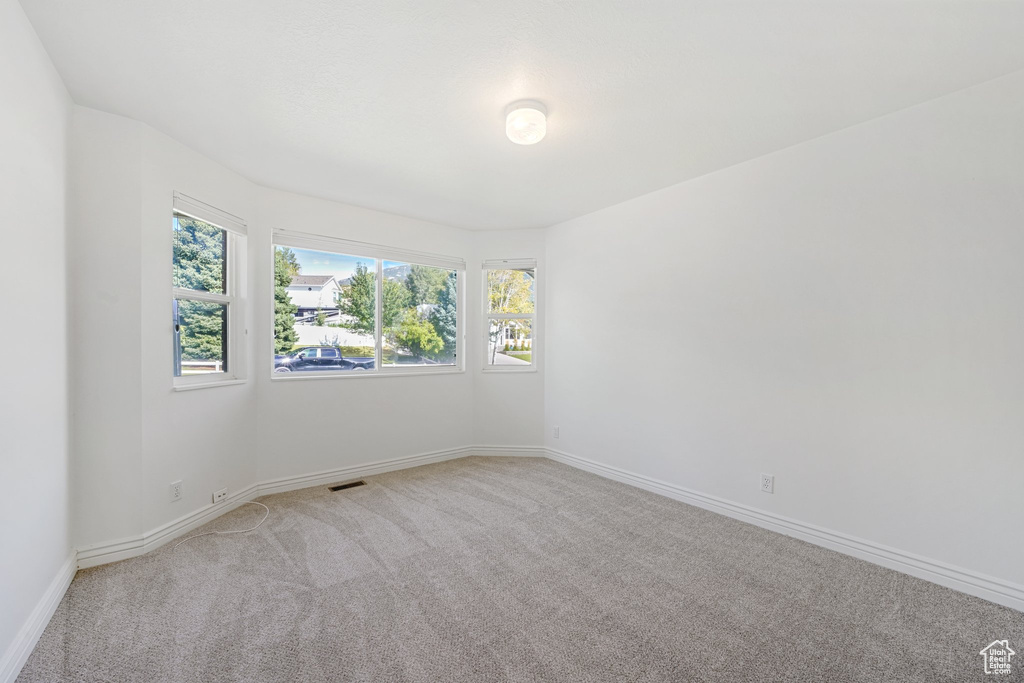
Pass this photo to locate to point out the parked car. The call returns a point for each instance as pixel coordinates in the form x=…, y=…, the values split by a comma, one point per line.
x=313, y=358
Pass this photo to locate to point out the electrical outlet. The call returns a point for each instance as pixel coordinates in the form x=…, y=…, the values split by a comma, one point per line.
x=218, y=496
x=176, y=490
x=768, y=483
x=556, y=432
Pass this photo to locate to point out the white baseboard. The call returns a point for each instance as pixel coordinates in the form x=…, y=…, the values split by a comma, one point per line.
x=510, y=451
x=124, y=548
x=974, y=583
x=18, y=652
x=355, y=471
x=964, y=580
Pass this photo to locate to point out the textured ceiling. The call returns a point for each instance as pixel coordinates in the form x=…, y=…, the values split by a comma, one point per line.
x=399, y=105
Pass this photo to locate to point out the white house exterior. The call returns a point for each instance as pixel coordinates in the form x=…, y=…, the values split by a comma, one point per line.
x=312, y=292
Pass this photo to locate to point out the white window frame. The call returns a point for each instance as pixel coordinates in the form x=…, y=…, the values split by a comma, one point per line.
x=509, y=264
x=234, y=297
x=378, y=254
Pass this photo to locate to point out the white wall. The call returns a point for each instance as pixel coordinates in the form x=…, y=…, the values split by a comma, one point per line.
x=207, y=438
x=371, y=418
x=134, y=435
x=845, y=314
x=105, y=274
x=35, y=539
x=840, y=314
x=508, y=407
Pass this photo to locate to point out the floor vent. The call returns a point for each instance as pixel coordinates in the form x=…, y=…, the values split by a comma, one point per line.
x=351, y=484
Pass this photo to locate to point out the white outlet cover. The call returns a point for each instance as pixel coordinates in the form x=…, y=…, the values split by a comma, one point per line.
x=768, y=483
x=175, y=490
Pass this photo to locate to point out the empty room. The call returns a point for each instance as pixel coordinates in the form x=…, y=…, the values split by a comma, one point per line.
x=467, y=341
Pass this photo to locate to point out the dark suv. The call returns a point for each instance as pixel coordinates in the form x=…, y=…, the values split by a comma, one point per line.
x=314, y=358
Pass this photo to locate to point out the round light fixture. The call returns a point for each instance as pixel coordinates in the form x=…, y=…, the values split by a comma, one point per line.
x=526, y=122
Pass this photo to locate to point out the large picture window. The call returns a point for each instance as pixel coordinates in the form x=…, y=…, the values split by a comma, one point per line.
x=206, y=280
x=510, y=309
x=347, y=308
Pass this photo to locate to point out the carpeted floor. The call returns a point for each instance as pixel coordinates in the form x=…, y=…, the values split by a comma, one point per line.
x=507, y=569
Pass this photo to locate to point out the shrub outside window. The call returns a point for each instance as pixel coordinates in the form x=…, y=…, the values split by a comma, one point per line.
x=345, y=308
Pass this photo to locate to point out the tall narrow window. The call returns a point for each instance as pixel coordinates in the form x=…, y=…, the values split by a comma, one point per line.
x=510, y=310
x=207, y=275
x=382, y=312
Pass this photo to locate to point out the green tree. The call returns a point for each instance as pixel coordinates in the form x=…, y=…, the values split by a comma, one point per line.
x=289, y=261
x=396, y=300
x=321, y=317
x=425, y=284
x=202, y=329
x=199, y=250
x=358, y=300
x=510, y=291
x=444, y=316
x=199, y=263
x=286, y=266
x=418, y=336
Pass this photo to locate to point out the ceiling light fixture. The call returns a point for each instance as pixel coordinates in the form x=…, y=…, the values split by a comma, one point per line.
x=526, y=122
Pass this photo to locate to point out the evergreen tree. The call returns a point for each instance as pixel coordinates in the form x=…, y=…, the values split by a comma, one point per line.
x=444, y=315
x=199, y=250
x=202, y=329
x=199, y=263
x=286, y=266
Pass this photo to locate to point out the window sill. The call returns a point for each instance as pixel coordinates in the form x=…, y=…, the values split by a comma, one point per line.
x=296, y=376
x=207, y=385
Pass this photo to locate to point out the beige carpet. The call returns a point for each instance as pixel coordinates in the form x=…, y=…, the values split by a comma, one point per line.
x=507, y=569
